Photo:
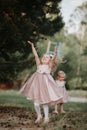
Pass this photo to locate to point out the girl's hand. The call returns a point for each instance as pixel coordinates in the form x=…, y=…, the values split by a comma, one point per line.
x=31, y=43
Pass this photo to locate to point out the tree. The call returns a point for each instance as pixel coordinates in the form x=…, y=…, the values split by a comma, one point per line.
x=21, y=20
x=79, y=39
x=74, y=49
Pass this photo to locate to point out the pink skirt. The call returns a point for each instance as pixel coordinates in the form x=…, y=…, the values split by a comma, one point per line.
x=63, y=92
x=42, y=89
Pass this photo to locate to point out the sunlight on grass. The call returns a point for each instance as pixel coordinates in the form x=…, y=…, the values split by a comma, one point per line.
x=78, y=93
x=13, y=98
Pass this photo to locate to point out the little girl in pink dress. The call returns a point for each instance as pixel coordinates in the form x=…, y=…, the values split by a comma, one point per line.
x=61, y=88
x=41, y=87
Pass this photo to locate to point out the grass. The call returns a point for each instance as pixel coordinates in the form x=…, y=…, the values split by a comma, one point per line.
x=78, y=93
x=13, y=98
x=74, y=119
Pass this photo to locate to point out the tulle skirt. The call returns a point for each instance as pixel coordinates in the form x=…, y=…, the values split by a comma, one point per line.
x=63, y=92
x=42, y=89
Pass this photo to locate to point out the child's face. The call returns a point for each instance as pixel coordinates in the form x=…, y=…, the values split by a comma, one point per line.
x=45, y=59
x=51, y=56
x=60, y=77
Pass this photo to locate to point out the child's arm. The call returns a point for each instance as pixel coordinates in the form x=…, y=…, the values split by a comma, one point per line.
x=53, y=58
x=55, y=52
x=35, y=53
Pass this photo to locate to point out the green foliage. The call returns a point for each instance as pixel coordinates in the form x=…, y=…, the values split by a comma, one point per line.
x=22, y=20
x=73, y=52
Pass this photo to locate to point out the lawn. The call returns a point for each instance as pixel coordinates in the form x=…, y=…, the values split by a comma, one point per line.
x=78, y=93
x=17, y=113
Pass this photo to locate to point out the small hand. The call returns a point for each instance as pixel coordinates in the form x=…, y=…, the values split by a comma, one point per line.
x=31, y=43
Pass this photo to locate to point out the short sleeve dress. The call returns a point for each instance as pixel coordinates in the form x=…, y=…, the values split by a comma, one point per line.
x=61, y=88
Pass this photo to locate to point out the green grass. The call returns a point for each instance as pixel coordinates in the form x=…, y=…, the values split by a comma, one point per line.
x=73, y=107
x=13, y=98
x=74, y=119
x=78, y=93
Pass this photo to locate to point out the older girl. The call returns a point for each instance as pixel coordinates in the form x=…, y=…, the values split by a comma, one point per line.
x=40, y=87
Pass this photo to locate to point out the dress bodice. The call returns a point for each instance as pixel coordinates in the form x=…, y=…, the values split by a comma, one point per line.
x=44, y=69
x=60, y=83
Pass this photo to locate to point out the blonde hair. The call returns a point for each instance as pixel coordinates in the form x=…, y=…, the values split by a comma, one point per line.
x=61, y=72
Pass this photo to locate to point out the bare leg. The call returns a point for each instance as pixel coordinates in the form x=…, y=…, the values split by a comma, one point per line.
x=55, y=109
x=38, y=111
x=62, y=109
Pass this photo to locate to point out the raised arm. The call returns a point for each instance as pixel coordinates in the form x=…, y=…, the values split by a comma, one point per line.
x=53, y=58
x=55, y=52
x=35, y=53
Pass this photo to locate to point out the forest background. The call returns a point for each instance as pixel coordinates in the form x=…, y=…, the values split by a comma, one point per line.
x=41, y=22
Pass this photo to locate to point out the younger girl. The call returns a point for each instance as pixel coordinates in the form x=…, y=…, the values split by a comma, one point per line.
x=41, y=87
x=61, y=88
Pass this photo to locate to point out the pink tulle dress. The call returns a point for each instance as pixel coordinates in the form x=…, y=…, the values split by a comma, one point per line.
x=41, y=87
x=61, y=88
